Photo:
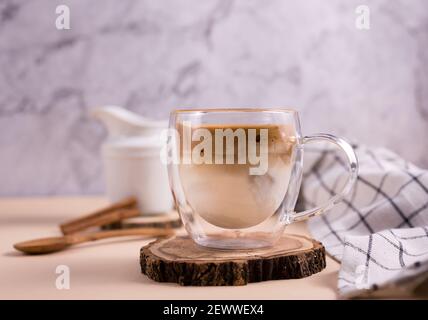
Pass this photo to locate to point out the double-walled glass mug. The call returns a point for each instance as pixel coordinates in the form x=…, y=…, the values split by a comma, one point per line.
x=235, y=174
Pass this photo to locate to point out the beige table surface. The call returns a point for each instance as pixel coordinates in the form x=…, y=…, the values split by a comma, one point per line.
x=110, y=269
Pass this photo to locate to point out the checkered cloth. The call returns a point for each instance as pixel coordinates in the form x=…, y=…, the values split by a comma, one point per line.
x=379, y=233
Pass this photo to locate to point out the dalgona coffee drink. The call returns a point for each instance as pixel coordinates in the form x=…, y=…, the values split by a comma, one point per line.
x=235, y=175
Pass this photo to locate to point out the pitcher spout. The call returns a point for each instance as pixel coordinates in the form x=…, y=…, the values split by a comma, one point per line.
x=123, y=123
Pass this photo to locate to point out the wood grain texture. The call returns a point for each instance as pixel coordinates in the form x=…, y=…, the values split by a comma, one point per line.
x=180, y=260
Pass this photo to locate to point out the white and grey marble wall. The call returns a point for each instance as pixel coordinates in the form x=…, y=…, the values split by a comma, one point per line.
x=152, y=56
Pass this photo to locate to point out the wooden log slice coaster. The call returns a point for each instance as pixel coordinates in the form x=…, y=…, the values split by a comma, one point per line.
x=180, y=260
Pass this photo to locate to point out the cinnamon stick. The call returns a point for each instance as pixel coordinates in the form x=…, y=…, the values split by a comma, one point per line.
x=123, y=209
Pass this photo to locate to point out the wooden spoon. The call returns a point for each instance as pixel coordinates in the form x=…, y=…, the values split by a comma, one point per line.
x=54, y=244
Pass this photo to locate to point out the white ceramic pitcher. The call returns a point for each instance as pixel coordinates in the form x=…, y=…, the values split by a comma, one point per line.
x=131, y=157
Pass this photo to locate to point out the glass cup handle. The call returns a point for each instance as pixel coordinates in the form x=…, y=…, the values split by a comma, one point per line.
x=353, y=173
